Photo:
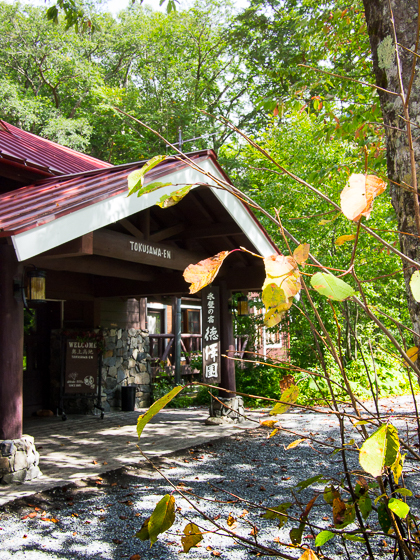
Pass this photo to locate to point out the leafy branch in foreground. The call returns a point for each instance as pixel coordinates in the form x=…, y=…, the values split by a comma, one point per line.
x=364, y=504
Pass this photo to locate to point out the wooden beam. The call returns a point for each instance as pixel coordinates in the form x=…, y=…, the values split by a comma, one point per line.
x=214, y=230
x=167, y=232
x=237, y=279
x=116, y=245
x=164, y=284
x=74, y=248
x=96, y=265
x=131, y=228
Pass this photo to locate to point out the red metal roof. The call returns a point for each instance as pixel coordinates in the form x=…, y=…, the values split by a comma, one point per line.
x=30, y=150
x=47, y=200
x=28, y=207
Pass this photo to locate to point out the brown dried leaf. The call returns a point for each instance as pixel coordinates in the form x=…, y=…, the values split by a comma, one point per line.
x=203, y=273
x=339, y=510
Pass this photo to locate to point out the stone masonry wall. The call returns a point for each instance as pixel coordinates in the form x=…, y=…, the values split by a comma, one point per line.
x=125, y=362
x=18, y=460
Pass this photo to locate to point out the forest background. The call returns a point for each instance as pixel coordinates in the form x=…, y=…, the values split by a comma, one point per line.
x=245, y=65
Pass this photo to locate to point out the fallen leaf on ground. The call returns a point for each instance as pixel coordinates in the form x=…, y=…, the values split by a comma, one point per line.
x=135, y=557
x=116, y=541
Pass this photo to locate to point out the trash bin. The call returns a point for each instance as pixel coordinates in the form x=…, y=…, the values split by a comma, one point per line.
x=128, y=397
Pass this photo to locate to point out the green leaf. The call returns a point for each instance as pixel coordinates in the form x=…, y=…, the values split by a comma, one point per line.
x=150, y=187
x=323, y=537
x=399, y=507
x=379, y=497
x=290, y=395
x=282, y=508
x=309, y=481
x=415, y=285
x=192, y=536
x=143, y=534
x=404, y=491
x=168, y=200
x=365, y=505
x=380, y=450
x=297, y=532
x=361, y=423
x=354, y=538
x=329, y=494
x=155, y=408
x=162, y=517
x=332, y=287
x=136, y=178
x=383, y=518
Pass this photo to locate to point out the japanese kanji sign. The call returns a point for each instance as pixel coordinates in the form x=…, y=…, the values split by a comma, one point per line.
x=81, y=367
x=211, y=334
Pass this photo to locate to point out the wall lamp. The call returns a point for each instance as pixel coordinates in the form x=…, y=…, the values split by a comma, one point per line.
x=31, y=287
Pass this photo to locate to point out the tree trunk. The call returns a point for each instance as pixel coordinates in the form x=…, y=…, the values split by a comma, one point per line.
x=381, y=35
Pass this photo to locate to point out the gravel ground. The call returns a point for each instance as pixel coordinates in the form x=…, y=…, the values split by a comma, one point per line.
x=97, y=518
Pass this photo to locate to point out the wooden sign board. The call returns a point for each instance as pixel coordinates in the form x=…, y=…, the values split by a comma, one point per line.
x=81, y=367
x=211, y=334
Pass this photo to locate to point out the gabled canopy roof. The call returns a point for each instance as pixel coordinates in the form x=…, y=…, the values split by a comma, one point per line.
x=55, y=211
x=23, y=148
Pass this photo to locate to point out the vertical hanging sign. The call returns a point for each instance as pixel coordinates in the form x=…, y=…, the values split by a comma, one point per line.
x=211, y=334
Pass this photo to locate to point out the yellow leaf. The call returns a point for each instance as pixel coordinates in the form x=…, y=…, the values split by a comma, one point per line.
x=415, y=285
x=295, y=443
x=343, y=238
x=268, y=423
x=274, y=316
x=203, y=273
x=308, y=555
x=397, y=467
x=290, y=395
x=357, y=197
x=413, y=353
x=231, y=521
x=273, y=433
x=301, y=253
x=283, y=272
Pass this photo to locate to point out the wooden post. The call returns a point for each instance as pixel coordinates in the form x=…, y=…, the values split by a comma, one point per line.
x=143, y=313
x=177, y=341
x=11, y=346
x=227, y=346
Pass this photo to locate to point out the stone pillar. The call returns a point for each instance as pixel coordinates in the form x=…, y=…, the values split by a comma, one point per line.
x=11, y=346
x=18, y=460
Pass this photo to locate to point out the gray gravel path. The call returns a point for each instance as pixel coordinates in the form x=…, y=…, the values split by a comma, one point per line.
x=97, y=518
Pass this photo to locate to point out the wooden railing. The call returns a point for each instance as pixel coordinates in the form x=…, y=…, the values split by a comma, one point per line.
x=161, y=345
